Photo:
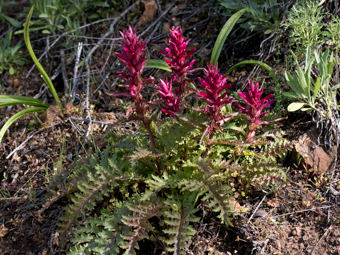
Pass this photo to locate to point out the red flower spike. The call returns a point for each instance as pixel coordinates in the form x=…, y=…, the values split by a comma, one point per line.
x=133, y=57
x=178, y=58
x=171, y=102
x=215, y=94
x=254, y=107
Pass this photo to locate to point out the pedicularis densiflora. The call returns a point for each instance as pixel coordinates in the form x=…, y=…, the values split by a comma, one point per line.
x=214, y=87
x=148, y=185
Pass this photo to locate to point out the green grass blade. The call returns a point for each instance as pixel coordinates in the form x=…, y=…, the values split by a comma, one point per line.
x=16, y=116
x=255, y=62
x=36, y=62
x=159, y=64
x=7, y=100
x=228, y=26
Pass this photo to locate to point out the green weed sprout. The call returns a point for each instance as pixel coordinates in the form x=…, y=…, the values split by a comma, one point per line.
x=312, y=94
x=10, y=55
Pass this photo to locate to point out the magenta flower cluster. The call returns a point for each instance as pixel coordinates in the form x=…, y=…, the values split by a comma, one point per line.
x=133, y=57
x=215, y=94
x=254, y=107
x=178, y=58
x=214, y=85
x=170, y=100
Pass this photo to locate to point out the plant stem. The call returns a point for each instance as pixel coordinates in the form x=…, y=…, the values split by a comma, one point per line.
x=151, y=136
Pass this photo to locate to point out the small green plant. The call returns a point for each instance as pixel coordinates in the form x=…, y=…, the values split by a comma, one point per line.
x=333, y=34
x=57, y=16
x=6, y=18
x=262, y=15
x=314, y=92
x=10, y=56
x=307, y=28
x=36, y=105
x=304, y=22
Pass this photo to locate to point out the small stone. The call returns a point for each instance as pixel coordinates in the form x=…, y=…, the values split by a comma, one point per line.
x=298, y=231
x=16, y=82
x=260, y=213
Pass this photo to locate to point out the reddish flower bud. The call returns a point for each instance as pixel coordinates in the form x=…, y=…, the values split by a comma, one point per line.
x=171, y=102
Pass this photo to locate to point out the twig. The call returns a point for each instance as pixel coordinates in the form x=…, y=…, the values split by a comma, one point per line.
x=158, y=19
x=257, y=207
x=9, y=198
x=322, y=237
x=301, y=211
x=196, y=11
x=87, y=99
x=42, y=55
x=107, y=60
x=55, y=75
x=75, y=126
x=63, y=71
x=75, y=71
x=72, y=31
x=21, y=146
x=159, y=8
x=108, y=33
x=148, y=39
x=100, y=122
x=16, y=193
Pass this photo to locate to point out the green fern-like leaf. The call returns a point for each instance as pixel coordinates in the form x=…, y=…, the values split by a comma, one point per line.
x=178, y=215
x=93, y=183
x=209, y=185
x=139, y=223
x=101, y=234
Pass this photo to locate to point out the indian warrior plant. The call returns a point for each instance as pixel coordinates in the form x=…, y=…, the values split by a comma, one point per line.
x=148, y=186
